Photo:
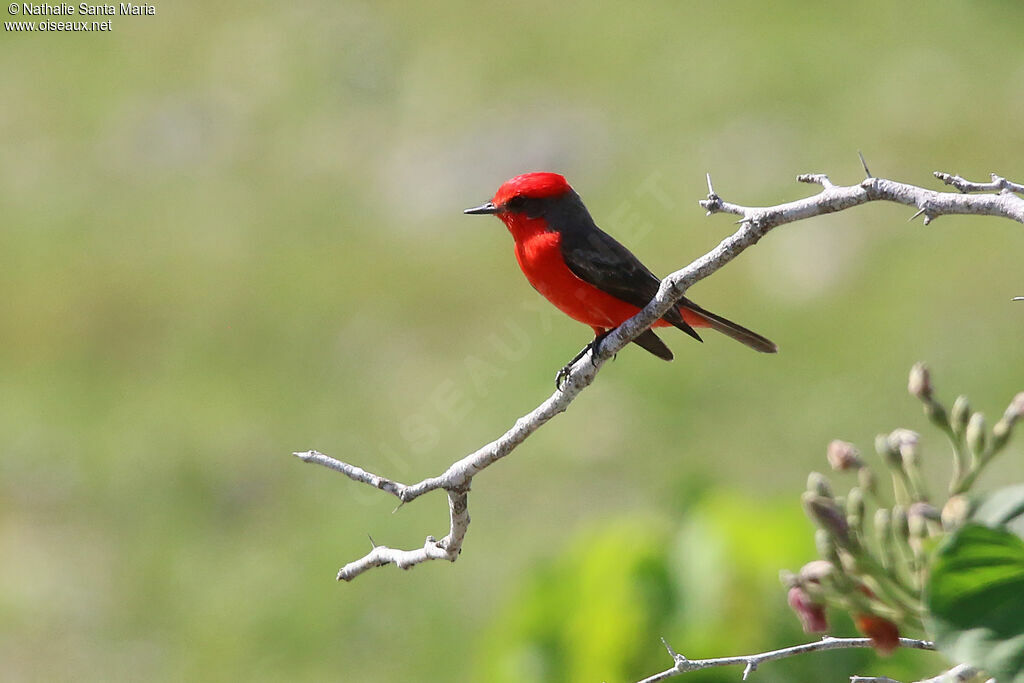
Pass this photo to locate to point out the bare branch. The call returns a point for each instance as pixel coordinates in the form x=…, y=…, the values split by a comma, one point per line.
x=448, y=548
x=753, y=225
x=998, y=184
x=352, y=472
x=961, y=673
x=928, y=202
x=751, y=662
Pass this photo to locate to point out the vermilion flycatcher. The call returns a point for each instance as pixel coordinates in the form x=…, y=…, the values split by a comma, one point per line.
x=586, y=273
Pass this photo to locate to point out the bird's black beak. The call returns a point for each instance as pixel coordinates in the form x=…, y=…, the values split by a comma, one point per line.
x=489, y=207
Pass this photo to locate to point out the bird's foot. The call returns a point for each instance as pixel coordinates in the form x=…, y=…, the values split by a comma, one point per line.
x=562, y=375
x=593, y=347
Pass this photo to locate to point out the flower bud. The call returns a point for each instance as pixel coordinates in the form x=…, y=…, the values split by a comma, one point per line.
x=976, y=434
x=891, y=456
x=1001, y=430
x=855, y=503
x=843, y=455
x=900, y=526
x=1000, y=435
x=923, y=510
x=918, y=528
x=826, y=547
x=954, y=512
x=960, y=415
x=812, y=615
x=1015, y=410
x=883, y=527
x=905, y=442
x=849, y=564
x=818, y=483
x=934, y=411
x=827, y=515
x=884, y=635
x=920, y=383
x=816, y=571
x=866, y=480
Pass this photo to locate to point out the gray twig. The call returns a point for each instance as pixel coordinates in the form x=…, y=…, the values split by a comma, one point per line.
x=998, y=184
x=750, y=663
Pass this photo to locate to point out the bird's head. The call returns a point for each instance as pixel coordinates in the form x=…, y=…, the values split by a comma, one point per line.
x=526, y=195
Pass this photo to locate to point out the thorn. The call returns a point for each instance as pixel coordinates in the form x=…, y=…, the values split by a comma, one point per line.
x=711, y=190
x=1018, y=298
x=920, y=211
x=398, y=507
x=864, y=163
x=676, y=657
x=372, y=544
x=749, y=669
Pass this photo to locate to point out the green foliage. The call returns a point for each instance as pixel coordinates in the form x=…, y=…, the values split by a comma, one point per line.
x=1002, y=508
x=976, y=600
x=975, y=594
x=597, y=610
x=970, y=593
x=590, y=614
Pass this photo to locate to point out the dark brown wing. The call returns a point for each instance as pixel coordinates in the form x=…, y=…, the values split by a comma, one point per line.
x=597, y=258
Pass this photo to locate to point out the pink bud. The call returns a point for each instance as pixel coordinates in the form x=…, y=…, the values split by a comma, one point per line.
x=843, y=455
x=812, y=615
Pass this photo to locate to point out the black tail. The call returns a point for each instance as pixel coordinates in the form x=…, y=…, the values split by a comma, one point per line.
x=653, y=343
x=730, y=329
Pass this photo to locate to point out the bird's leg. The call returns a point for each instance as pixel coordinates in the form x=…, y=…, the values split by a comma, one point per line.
x=593, y=346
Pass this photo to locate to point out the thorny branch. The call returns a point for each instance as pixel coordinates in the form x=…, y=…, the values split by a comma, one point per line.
x=755, y=222
x=751, y=662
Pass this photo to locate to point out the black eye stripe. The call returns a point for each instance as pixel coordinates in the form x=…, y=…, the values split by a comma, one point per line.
x=531, y=206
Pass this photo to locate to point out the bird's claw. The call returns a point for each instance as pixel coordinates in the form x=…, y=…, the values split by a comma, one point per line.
x=563, y=375
x=592, y=347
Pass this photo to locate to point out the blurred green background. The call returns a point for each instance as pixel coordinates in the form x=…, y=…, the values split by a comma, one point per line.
x=234, y=231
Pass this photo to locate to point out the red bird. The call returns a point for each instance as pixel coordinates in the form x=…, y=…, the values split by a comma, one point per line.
x=586, y=273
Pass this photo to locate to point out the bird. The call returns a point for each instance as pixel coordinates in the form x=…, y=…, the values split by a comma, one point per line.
x=586, y=273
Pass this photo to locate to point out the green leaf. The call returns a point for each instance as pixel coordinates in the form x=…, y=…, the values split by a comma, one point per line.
x=975, y=595
x=1004, y=507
